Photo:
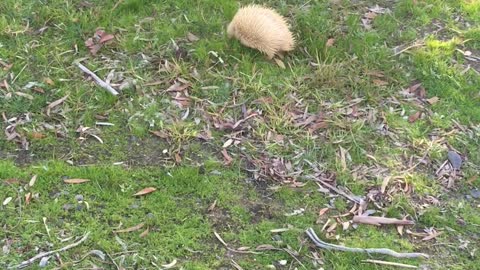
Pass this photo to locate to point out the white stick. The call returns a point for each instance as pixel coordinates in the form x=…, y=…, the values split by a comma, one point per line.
x=99, y=81
x=319, y=243
x=45, y=254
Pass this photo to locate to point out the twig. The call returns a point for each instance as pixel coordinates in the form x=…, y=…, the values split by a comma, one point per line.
x=99, y=81
x=45, y=254
x=339, y=192
x=231, y=249
x=319, y=243
x=408, y=48
x=391, y=264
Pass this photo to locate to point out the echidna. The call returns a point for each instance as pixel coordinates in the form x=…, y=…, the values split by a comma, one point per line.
x=263, y=29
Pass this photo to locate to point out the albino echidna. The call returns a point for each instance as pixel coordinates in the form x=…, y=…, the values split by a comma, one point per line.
x=263, y=29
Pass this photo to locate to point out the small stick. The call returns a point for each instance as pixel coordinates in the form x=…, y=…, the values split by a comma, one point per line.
x=338, y=191
x=408, y=48
x=231, y=249
x=99, y=81
x=45, y=254
x=319, y=243
x=391, y=264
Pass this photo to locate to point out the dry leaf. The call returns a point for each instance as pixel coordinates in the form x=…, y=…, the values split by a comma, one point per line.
x=279, y=230
x=212, y=206
x=345, y=225
x=431, y=235
x=385, y=183
x=37, y=135
x=55, y=103
x=378, y=82
x=228, y=159
x=48, y=81
x=131, y=229
x=280, y=63
x=75, y=181
x=192, y=38
x=433, y=100
x=170, y=265
x=330, y=42
x=106, y=38
x=227, y=143
x=323, y=211
x=7, y=200
x=144, y=233
x=25, y=95
x=265, y=247
x=178, y=158
x=145, y=191
x=400, y=229
x=332, y=227
x=372, y=220
x=414, y=117
x=370, y=15
x=32, y=181
x=28, y=197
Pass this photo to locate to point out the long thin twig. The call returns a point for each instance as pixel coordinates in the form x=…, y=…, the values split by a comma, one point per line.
x=99, y=81
x=319, y=243
x=391, y=264
x=339, y=192
x=45, y=254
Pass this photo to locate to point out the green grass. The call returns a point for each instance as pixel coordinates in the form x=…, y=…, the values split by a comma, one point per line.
x=354, y=86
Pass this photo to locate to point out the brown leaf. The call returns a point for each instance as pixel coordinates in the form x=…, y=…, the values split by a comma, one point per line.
x=227, y=158
x=332, y=227
x=25, y=95
x=28, y=197
x=160, y=134
x=385, y=183
x=414, y=87
x=144, y=233
x=178, y=158
x=106, y=38
x=433, y=100
x=145, y=191
x=49, y=81
x=76, y=181
x=131, y=229
x=330, y=42
x=414, y=117
x=378, y=82
x=431, y=235
x=323, y=211
x=192, y=38
x=212, y=206
x=55, y=104
x=37, y=135
x=265, y=247
x=372, y=220
x=4, y=84
x=370, y=15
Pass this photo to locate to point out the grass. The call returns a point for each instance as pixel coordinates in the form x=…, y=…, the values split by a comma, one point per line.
x=354, y=87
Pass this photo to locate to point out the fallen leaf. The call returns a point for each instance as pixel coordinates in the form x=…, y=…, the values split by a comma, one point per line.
x=28, y=197
x=433, y=100
x=372, y=220
x=323, y=211
x=228, y=159
x=414, y=117
x=345, y=225
x=227, y=143
x=131, y=229
x=265, y=247
x=178, y=158
x=330, y=42
x=170, y=265
x=76, y=181
x=192, y=38
x=7, y=200
x=32, y=181
x=431, y=235
x=145, y=191
x=25, y=95
x=279, y=230
x=378, y=82
x=332, y=227
x=144, y=233
x=212, y=206
x=49, y=81
x=385, y=183
x=106, y=38
x=370, y=15
x=55, y=104
x=280, y=63
x=37, y=135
